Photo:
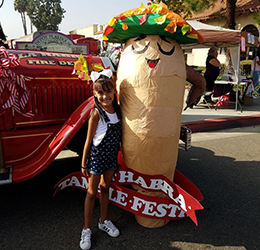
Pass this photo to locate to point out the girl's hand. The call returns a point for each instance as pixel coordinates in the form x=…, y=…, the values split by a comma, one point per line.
x=84, y=170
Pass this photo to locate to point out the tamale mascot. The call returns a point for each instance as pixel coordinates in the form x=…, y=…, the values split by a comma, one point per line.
x=151, y=80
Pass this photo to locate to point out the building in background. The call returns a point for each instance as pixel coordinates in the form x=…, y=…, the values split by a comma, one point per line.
x=94, y=31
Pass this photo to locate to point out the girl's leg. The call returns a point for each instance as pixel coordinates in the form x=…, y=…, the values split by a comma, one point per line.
x=93, y=181
x=104, y=194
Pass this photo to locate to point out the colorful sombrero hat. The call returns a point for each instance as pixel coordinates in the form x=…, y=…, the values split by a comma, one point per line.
x=155, y=19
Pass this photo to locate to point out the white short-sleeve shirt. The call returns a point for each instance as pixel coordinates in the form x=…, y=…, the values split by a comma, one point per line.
x=102, y=127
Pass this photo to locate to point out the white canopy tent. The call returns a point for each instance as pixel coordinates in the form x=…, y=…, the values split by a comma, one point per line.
x=221, y=37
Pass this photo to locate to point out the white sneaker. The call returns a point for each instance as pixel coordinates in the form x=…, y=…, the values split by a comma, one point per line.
x=85, y=242
x=108, y=227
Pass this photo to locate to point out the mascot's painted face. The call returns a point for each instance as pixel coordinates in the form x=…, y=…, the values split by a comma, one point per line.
x=151, y=80
x=140, y=46
x=153, y=55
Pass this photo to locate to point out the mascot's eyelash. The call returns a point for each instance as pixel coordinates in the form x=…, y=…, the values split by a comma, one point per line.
x=141, y=37
x=167, y=53
x=164, y=39
x=141, y=51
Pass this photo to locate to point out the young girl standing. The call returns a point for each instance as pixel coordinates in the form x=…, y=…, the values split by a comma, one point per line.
x=99, y=160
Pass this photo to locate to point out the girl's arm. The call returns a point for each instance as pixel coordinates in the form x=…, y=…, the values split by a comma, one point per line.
x=92, y=126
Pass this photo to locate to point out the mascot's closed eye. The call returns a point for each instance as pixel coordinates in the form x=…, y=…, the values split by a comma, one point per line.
x=139, y=38
x=140, y=51
x=167, y=53
x=142, y=36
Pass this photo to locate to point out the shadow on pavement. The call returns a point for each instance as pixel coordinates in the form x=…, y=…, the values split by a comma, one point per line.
x=32, y=219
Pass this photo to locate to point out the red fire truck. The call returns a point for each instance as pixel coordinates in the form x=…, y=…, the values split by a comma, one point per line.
x=43, y=108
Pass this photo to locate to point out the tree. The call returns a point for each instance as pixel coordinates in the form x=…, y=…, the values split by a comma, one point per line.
x=184, y=8
x=177, y=6
x=20, y=6
x=45, y=14
x=256, y=17
x=201, y=5
x=230, y=14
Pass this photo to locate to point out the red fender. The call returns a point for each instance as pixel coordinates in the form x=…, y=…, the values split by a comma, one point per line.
x=36, y=165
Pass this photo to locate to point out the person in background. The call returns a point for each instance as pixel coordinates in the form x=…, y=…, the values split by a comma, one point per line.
x=212, y=70
x=255, y=68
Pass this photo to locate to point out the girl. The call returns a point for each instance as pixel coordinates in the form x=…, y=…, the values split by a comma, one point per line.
x=99, y=160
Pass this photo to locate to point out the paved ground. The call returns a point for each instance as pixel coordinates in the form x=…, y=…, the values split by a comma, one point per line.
x=223, y=164
x=202, y=118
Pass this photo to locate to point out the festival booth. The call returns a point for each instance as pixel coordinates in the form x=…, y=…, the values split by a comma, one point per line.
x=235, y=40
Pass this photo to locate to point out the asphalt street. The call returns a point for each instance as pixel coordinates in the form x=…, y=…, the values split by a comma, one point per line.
x=223, y=164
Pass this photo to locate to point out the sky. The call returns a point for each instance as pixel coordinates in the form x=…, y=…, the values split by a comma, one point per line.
x=79, y=13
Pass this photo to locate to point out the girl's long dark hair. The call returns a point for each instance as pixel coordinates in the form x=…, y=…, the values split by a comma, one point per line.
x=106, y=84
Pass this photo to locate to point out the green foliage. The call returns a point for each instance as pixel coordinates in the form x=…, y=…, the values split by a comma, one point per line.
x=256, y=17
x=20, y=5
x=45, y=14
x=222, y=68
x=200, y=69
x=177, y=6
x=185, y=7
x=198, y=5
x=245, y=67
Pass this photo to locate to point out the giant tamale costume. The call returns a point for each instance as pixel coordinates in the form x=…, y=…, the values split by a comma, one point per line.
x=151, y=80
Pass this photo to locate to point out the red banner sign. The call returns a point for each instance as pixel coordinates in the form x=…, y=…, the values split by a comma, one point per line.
x=174, y=206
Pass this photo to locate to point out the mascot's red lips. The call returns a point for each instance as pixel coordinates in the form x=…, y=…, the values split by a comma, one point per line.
x=152, y=63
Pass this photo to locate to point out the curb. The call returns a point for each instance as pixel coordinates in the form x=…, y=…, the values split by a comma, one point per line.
x=222, y=123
